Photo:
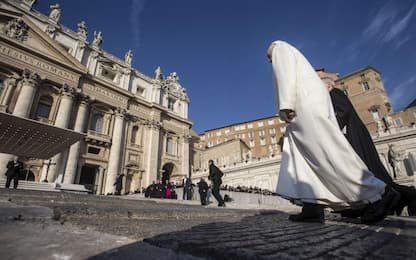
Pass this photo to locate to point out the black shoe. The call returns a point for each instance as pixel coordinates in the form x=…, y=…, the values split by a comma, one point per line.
x=311, y=213
x=378, y=211
x=307, y=219
x=351, y=213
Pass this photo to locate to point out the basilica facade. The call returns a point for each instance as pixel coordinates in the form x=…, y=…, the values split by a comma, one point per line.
x=134, y=124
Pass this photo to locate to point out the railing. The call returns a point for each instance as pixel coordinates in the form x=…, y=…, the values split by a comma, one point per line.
x=44, y=120
x=99, y=135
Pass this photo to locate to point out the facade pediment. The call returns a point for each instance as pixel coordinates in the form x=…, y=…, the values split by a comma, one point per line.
x=20, y=31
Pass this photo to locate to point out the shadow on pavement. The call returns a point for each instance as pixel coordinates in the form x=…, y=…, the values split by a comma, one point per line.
x=269, y=235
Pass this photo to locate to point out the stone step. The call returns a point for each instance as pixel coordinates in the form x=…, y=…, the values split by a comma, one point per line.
x=31, y=185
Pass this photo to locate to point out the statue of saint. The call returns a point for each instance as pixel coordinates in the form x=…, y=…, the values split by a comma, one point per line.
x=55, y=13
x=174, y=77
x=394, y=158
x=128, y=57
x=82, y=29
x=380, y=128
x=98, y=39
x=389, y=122
x=158, y=73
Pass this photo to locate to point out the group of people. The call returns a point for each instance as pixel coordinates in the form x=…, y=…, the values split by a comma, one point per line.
x=215, y=176
x=161, y=190
x=320, y=166
x=255, y=189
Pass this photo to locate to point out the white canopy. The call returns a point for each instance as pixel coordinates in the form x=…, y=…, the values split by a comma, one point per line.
x=29, y=138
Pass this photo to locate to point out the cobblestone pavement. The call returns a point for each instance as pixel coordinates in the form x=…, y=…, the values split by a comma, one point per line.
x=223, y=233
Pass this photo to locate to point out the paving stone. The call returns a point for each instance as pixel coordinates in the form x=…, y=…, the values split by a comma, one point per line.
x=192, y=231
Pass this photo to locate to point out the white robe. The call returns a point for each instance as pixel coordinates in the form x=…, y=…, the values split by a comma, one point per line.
x=318, y=164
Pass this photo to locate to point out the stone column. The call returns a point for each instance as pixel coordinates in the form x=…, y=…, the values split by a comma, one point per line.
x=29, y=84
x=92, y=61
x=185, y=155
x=27, y=93
x=62, y=120
x=100, y=181
x=74, y=151
x=114, y=161
x=152, y=152
x=9, y=86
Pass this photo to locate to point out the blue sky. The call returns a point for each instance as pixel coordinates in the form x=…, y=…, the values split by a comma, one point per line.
x=218, y=47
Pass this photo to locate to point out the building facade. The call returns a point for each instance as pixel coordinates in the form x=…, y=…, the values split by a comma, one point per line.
x=134, y=124
x=366, y=91
x=259, y=165
x=261, y=136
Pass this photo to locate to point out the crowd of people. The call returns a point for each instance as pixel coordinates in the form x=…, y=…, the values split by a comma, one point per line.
x=255, y=189
x=161, y=191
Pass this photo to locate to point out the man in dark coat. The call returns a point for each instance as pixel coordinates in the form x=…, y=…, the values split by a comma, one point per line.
x=362, y=143
x=203, y=190
x=119, y=183
x=13, y=169
x=215, y=176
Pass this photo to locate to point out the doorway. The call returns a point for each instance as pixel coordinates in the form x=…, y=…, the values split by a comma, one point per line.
x=88, y=177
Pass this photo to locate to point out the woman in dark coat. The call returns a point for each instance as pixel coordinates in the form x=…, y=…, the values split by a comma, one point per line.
x=361, y=141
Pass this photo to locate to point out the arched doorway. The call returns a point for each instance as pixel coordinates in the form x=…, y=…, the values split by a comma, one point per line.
x=27, y=175
x=167, y=170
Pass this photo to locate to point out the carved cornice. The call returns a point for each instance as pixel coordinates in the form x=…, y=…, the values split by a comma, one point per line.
x=16, y=29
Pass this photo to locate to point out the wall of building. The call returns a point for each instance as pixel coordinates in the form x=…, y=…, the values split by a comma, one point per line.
x=134, y=124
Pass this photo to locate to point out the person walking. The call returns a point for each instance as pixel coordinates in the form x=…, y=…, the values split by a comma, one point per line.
x=203, y=190
x=119, y=183
x=13, y=170
x=185, y=188
x=215, y=176
x=319, y=168
x=360, y=139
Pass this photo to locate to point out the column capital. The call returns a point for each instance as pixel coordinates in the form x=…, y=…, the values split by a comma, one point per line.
x=84, y=99
x=186, y=138
x=11, y=80
x=67, y=90
x=153, y=124
x=120, y=112
x=30, y=78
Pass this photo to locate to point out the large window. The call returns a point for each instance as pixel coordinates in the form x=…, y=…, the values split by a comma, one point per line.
x=365, y=85
x=134, y=132
x=171, y=104
x=251, y=134
x=97, y=121
x=376, y=115
x=44, y=107
x=169, y=145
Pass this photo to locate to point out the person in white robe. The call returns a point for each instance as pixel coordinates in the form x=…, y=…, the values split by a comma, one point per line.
x=319, y=166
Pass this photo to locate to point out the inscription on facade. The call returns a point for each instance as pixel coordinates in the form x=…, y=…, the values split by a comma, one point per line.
x=19, y=55
x=138, y=110
x=97, y=90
